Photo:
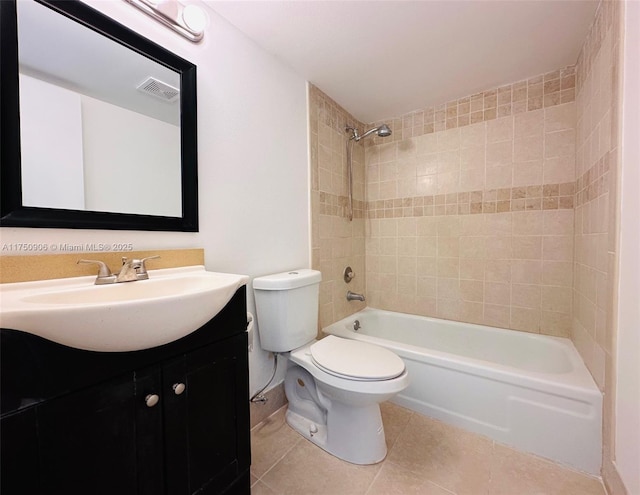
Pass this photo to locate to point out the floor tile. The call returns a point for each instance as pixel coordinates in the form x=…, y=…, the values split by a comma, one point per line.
x=253, y=480
x=261, y=489
x=516, y=472
x=395, y=420
x=395, y=480
x=449, y=457
x=309, y=470
x=425, y=457
x=270, y=441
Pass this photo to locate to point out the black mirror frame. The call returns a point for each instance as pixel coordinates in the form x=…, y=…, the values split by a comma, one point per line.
x=12, y=212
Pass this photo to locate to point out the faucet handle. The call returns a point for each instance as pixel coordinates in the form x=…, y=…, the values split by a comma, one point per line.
x=348, y=274
x=142, y=270
x=103, y=270
x=104, y=274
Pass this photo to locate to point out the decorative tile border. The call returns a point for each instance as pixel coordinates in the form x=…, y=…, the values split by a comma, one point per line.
x=546, y=90
x=594, y=182
x=333, y=205
x=526, y=198
x=561, y=196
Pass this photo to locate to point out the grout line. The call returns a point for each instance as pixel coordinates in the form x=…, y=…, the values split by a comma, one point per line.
x=368, y=490
x=267, y=418
x=441, y=487
x=270, y=487
x=277, y=461
x=401, y=432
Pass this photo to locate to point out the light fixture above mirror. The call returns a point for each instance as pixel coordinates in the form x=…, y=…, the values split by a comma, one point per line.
x=187, y=20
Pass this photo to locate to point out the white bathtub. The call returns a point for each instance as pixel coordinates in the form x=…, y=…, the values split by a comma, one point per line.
x=530, y=391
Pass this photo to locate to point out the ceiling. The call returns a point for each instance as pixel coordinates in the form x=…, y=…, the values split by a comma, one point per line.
x=381, y=59
x=55, y=49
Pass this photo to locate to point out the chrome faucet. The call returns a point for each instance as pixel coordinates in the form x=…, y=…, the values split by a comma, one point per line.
x=353, y=296
x=131, y=271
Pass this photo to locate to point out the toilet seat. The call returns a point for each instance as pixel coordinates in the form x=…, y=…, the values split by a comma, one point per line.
x=355, y=360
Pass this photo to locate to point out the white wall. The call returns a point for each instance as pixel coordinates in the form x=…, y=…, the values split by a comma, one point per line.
x=82, y=153
x=51, y=133
x=627, y=445
x=253, y=160
x=131, y=161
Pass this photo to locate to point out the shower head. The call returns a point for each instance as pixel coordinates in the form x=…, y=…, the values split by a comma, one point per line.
x=382, y=130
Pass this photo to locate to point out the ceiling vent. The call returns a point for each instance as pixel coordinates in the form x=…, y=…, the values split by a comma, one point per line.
x=159, y=89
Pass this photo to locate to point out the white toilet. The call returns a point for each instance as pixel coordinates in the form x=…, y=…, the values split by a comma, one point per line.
x=334, y=386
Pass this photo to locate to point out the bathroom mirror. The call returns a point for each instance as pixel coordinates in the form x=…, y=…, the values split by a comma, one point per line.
x=98, y=124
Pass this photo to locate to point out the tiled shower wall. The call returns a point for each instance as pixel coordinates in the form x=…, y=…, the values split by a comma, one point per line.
x=470, y=208
x=336, y=242
x=596, y=164
x=598, y=106
x=498, y=208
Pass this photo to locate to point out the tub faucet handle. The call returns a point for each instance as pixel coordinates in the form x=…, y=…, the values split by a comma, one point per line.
x=348, y=274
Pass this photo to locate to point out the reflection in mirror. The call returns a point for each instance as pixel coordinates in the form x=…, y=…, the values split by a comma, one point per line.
x=98, y=123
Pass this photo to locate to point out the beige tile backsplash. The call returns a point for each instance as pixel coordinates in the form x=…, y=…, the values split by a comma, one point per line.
x=596, y=164
x=336, y=242
x=598, y=107
x=475, y=221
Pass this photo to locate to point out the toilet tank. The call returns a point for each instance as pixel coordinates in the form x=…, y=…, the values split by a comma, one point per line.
x=287, y=309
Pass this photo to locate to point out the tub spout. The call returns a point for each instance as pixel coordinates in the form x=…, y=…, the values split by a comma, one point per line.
x=352, y=296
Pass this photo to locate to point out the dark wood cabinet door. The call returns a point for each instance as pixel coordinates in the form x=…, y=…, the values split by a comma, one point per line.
x=88, y=440
x=19, y=448
x=206, y=423
x=149, y=432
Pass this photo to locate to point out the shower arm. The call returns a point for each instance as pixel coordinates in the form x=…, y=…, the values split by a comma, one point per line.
x=370, y=131
x=357, y=137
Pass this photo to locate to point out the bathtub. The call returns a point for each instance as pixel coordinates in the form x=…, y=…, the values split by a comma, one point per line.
x=529, y=391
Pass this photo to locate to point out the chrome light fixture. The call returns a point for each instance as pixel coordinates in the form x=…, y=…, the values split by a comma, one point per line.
x=188, y=20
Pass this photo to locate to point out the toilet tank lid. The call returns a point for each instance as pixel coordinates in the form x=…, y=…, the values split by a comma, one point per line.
x=288, y=280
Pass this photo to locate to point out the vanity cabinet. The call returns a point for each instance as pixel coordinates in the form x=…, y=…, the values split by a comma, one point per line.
x=169, y=420
x=87, y=439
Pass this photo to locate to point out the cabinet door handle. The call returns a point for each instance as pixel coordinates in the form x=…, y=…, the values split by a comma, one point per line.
x=178, y=388
x=151, y=400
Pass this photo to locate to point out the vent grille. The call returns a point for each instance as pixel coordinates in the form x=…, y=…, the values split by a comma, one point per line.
x=159, y=89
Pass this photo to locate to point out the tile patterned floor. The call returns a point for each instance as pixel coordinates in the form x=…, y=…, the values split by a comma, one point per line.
x=425, y=457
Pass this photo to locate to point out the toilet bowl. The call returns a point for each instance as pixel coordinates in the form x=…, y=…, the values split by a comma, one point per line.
x=340, y=414
x=334, y=386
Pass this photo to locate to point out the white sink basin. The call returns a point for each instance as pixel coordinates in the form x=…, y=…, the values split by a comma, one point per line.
x=127, y=316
